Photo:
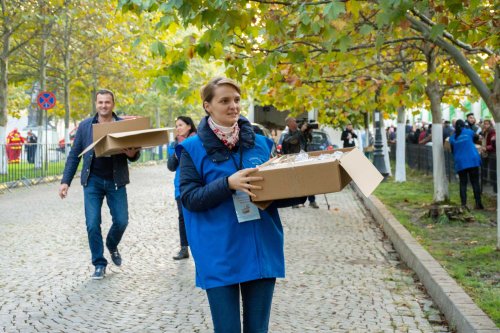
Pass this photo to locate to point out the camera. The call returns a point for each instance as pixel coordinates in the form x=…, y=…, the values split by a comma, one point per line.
x=310, y=125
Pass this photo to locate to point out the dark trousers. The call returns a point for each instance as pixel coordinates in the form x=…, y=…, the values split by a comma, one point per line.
x=489, y=172
x=311, y=198
x=93, y=194
x=473, y=175
x=182, y=227
x=256, y=295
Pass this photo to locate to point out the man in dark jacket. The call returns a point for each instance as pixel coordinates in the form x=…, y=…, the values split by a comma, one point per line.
x=101, y=177
x=293, y=140
x=348, y=137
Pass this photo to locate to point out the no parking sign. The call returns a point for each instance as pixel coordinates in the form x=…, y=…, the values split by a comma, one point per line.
x=46, y=100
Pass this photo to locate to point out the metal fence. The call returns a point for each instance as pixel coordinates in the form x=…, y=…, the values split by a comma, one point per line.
x=419, y=157
x=29, y=164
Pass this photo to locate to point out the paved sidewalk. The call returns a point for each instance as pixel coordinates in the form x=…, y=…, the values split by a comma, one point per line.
x=342, y=274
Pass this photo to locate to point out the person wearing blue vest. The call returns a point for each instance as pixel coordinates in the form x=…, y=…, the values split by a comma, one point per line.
x=237, y=248
x=184, y=127
x=467, y=162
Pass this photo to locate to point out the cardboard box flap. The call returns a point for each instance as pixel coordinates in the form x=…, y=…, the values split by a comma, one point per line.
x=91, y=146
x=100, y=130
x=138, y=132
x=361, y=170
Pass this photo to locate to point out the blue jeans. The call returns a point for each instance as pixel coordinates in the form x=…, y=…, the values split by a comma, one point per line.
x=97, y=188
x=257, y=296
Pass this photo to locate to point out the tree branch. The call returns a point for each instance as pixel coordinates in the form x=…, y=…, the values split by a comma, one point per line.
x=450, y=37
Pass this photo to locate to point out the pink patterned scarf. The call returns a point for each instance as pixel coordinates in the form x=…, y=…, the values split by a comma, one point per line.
x=228, y=135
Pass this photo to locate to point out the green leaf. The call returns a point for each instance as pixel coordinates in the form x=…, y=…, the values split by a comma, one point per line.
x=136, y=42
x=178, y=68
x=379, y=41
x=365, y=29
x=436, y=31
x=333, y=10
x=157, y=48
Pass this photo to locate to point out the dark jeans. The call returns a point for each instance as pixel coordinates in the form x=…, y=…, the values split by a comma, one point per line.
x=182, y=227
x=97, y=188
x=311, y=198
x=473, y=175
x=257, y=296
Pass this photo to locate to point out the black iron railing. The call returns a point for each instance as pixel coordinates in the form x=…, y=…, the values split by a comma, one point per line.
x=29, y=164
x=419, y=157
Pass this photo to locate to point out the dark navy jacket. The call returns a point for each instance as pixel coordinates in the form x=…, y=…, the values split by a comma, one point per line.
x=227, y=252
x=83, y=138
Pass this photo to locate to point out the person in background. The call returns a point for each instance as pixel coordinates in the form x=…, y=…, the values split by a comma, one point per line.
x=31, y=140
x=447, y=130
x=425, y=136
x=101, y=177
x=293, y=140
x=471, y=124
x=348, y=137
x=467, y=162
x=237, y=248
x=488, y=148
x=185, y=128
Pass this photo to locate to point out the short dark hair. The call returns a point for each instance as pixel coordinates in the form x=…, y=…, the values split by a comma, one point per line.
x=469, y=114
x=105, y=92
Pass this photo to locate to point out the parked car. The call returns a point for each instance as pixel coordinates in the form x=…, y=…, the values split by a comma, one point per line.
x=320, y=141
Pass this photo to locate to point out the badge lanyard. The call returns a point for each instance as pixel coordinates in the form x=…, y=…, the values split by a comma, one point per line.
x=245, y=210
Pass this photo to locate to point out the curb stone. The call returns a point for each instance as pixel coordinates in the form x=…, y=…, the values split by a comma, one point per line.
x=458, y=308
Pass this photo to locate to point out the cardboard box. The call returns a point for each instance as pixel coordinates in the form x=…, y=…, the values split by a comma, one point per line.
x=289, y=180
x=112, y=138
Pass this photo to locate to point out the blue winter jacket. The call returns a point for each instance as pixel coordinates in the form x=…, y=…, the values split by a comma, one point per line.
x=84, y=138
x=173, y=165
x=464, y=151
x=227, y=252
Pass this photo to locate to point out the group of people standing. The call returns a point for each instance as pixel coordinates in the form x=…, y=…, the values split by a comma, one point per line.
x=237, y=248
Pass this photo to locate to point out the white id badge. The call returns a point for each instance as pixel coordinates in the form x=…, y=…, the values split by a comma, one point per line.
x=245, y=209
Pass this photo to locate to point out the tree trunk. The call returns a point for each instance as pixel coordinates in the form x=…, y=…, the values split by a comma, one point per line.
x=67, y=110
x=441, y=193
x=4, y=66
x=401, y=147
x=385, y=146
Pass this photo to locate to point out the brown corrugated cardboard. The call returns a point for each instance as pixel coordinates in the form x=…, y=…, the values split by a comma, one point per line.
x=112, y=138
x=290, y=180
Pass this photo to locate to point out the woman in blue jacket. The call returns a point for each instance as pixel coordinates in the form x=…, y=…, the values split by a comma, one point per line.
x=467, y=161
x=235, y=246
x=184, y=127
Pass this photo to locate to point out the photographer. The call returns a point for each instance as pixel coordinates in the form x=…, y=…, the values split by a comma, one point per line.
x=348, y=137
x=296, y=140
x=293, y=141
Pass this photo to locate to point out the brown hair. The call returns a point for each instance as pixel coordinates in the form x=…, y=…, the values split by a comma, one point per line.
x=207, y=91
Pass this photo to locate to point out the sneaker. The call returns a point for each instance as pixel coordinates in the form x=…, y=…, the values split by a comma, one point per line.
x=313, y=204
x=116, y=257
x=99, y=273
